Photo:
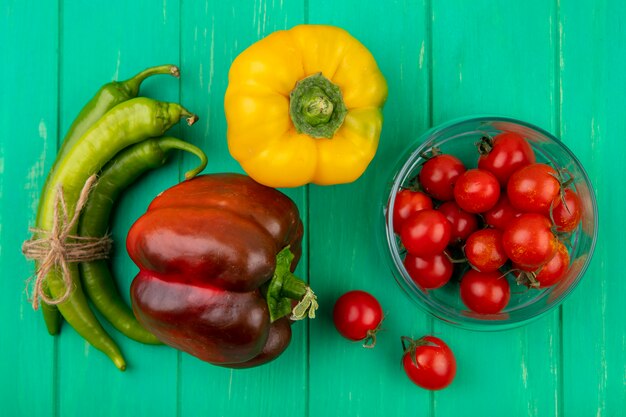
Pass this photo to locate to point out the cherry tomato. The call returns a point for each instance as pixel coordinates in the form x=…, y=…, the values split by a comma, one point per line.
x=429, y=272
x=425, y=233
x=529, y=242
x=463, y=223
x=438, y=175
x=532, y=188
x=555, y=269
x=357, y=316
x=485, y=292
x=549, y=274
x=501, y=214
x=406, y=203
x=504, y=155
x=428, y=362
x=567, y=216
x=484, y=250
x=476, y=191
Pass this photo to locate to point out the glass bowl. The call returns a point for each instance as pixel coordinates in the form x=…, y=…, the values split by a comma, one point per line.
x=458, y=138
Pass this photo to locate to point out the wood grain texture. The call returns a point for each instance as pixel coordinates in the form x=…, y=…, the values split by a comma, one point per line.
x=557, y=64
x=593, y=124
x=344, y=252
x=28, y=146
x=212, y=35
x=498, y=58
x=100, y=44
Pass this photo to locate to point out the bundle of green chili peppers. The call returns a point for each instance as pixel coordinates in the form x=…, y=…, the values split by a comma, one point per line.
x=117, y=136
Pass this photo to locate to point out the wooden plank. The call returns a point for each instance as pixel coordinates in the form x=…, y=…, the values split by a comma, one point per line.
x=344, y=251
x=27, y=149
x=498, y=57
x=592, y=92
x=100, y=44
x=213, y=34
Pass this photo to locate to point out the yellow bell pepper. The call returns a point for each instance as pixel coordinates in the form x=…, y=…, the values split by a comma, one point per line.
x=305, y=106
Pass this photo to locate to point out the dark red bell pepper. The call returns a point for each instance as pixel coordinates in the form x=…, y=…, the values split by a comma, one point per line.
x=216, y=256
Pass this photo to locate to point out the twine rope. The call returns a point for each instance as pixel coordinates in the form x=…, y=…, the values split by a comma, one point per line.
x=56, y=248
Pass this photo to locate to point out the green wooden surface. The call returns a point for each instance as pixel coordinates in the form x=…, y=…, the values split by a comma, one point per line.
x=497, y=64
x=558, y=64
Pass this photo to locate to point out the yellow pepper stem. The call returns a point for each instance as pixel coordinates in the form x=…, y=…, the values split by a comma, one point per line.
x=316, y=107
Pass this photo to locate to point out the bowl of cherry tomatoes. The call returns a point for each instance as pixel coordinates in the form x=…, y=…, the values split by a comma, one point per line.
x=489, y=222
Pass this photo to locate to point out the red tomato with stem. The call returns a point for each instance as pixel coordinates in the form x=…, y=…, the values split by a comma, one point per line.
x=550, y=273
x=476, y=191
x=529, y=242
x=428, y=362
x=567, y=211
x=533, y=188
x=429, y=272
x=438, y=175
x=425, y=233
x=501, y=215
x=485, y=292
x=504, y=154
x=463, y=223
x=357, y=316
x=406, y=203
x=484, y=250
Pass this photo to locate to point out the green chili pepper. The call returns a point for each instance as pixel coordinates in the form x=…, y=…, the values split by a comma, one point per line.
x=51, y=316
x=109, y=95
x=116, y=176
x=127, y=123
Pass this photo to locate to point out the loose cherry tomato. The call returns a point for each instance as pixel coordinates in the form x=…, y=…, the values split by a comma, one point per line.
x=476, y=191
x=485, y=292
x=357, y=316
x=567, y=216
x=533, y=188
x=463, y=223
x=501, y=215
x=429, y=272
x=425, y=233
x=505, y=154
x=428, y=362
x=438, y=175
x=484, y=250
x=529, y=241
x=406, y=203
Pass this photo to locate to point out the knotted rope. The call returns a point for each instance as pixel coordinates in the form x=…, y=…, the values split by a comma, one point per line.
x=56, y=248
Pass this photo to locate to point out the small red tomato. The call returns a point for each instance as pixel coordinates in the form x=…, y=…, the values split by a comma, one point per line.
x=501, y=215
x=549, y=274
x=357, y=316
x=533, y=188
x=428, y=362
x=425, y=233
x=484, y=250
x=505, y=154
x=438, y=175
x=429, y=272
x=406, y=203
x=476, y=191
x=529, y=241
x=485, y=292
x=555, y=269
x=463, y=223
x=567, y=211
